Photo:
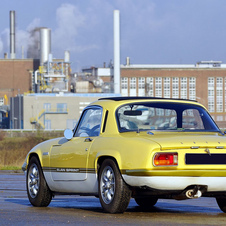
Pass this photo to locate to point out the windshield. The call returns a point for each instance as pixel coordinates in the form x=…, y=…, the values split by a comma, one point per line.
x=164, y=116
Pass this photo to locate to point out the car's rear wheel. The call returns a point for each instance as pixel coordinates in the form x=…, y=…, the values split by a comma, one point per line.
x=222, y=203
x=146, y=202
x=114, y=193
x=38, y=191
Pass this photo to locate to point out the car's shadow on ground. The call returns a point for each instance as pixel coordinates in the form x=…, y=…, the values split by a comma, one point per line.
x=93, y=204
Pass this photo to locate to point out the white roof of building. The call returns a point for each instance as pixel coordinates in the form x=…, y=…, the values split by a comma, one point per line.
x=201, y=64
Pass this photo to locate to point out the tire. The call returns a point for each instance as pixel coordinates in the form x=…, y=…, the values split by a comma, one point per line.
x=114, y=194
x=38, y=191
x=222, y=203
x=146, y=202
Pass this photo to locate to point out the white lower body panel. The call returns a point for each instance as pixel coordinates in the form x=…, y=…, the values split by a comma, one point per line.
x=176, y=183
x=88, y=186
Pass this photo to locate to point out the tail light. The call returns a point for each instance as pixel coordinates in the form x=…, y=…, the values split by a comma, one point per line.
x=166, y=159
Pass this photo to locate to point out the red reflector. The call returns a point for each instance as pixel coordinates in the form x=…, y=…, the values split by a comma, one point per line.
x=166, y=159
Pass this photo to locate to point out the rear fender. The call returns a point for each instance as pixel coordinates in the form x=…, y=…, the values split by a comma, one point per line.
x=109, y=154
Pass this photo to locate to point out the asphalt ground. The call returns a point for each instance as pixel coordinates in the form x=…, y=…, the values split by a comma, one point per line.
x=15, y=209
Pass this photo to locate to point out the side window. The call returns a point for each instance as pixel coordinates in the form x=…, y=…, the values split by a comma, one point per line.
x=89, y=125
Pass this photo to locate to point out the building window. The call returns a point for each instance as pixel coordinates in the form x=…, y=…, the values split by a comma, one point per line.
x=183, y=88
x=61, y=107
x=219, y=118
x=167, y=87
x=150, y=87
x=47, y=107
x=1, y=101
x=47, y=124
x=175, y=86
x=211, y=102
x=192, y=88
x=133, y=85
x=219, y=94
x=158, y=87
x=124, y=85
x=141, y=86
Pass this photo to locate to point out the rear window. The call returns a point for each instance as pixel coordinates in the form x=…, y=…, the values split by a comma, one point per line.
x=164, y=116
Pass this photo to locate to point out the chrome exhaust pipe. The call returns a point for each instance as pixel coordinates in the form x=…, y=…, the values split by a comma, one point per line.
x=193, y=194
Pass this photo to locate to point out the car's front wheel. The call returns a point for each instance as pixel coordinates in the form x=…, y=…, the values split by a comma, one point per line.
x=114, y=193
x=222, y=203
x=146, y=202
x=38, y=191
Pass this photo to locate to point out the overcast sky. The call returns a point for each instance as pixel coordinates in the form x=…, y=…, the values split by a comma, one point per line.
x=152, y=31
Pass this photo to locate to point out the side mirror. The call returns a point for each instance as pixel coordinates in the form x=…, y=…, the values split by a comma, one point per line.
x=68, y=134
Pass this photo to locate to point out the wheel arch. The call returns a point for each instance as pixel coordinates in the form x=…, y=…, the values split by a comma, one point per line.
x=35, y=154
x=101, y=159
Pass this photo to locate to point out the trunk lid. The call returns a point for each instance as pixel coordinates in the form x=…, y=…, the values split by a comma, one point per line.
x=187, y=140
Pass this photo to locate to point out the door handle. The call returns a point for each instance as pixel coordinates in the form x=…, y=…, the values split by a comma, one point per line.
x=88, y=139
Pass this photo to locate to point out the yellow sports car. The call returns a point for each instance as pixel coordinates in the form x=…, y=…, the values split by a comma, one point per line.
x=123, y=147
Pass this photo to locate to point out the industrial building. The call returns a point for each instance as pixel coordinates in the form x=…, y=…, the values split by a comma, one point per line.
x=49, y=111
x=39, y=73
x=204, y=81
x=59, y=95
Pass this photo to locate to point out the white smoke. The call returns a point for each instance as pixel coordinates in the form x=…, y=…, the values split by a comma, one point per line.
x=33, y=39
x=27, y=39
x=23, y=38
x=4, y=40
x=70, y=20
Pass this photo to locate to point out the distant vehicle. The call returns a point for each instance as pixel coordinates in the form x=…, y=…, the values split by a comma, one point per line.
x=131, y=147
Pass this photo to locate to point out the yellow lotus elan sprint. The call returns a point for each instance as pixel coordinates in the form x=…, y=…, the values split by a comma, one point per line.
x=123, y=147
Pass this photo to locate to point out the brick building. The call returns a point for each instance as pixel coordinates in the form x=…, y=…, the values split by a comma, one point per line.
x=16, y=76
x=204, y=82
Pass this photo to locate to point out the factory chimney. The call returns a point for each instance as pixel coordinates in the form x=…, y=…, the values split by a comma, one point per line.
x=45, y=45
x=116, y=51
x=12, y=35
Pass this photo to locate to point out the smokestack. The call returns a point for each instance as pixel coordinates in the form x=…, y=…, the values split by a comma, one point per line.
x=116, y=51
x=127, y=61
x=12, y=35
x=66, y=56
x=22, y=52
x=45, y=45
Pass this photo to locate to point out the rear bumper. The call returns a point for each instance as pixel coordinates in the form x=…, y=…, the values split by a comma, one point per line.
x=167, y=183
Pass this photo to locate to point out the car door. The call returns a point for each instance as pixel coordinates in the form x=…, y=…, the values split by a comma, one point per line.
x=69, y=159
